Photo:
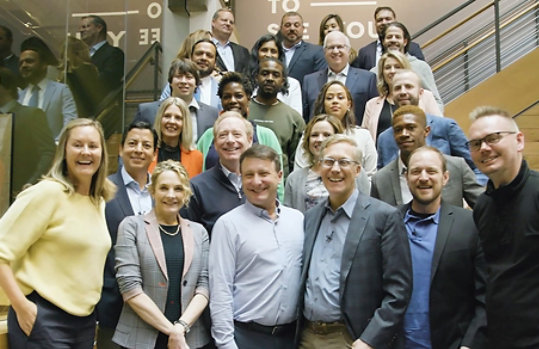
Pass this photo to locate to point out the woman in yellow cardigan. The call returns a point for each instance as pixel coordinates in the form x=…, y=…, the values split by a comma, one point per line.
x=175, y=136
x=53, y=245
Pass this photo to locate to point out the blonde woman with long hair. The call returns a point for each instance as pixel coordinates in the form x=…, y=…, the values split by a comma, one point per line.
x=54, y=242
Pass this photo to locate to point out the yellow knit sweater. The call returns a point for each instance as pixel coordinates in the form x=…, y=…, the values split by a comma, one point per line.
x=56, y=244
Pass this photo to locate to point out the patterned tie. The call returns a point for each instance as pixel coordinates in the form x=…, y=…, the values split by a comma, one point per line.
x=34, y=99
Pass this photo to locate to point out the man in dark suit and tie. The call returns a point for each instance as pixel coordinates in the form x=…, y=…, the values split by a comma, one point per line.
x=361, y=83
x=183, y=79
x=137, y=150
x=357, y=272
x=230, y=56
x=410, y=131
x=447, y=308
x=302, y=58
x=369, y=55
x=109, y=61
x=32, y=141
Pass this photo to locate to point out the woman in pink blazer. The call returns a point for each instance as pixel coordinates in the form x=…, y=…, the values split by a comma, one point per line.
x=379, y=110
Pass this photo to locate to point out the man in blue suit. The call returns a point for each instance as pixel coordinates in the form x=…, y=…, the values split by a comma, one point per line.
x=132, y=198
x=361, y=83
x=445, y=134
x=183, y=79
x=369, y=55
x=54, y=98
x=302, y=58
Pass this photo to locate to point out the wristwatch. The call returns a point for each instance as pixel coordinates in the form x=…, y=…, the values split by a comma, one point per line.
x=184, y=324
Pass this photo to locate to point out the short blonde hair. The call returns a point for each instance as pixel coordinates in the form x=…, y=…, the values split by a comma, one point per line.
x=176, y=167
x=101, y=187
x=186, y=136
x=342, y=138
x=381, y=84
x=233, y=114
x=488, y=110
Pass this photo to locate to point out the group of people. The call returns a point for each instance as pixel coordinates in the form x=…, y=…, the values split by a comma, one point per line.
x=240, y=218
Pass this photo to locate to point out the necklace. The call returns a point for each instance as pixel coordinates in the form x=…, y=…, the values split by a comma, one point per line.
x=170, y=234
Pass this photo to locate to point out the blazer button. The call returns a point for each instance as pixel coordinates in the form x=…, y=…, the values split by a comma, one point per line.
x=185, y=282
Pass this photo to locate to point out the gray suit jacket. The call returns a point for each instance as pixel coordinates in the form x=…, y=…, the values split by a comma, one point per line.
x=206, y=115
x=58, y=105
x=385, y=183
x=376, y=271
x=141, y=268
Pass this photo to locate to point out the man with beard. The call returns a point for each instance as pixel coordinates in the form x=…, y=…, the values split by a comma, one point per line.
x=266, y=110
x=230, y=56
x=203, y=54
x=445, y=134
x=410, y=131
x=369, y=55
x=302, y=58
x=447, y=308
x=54, y=98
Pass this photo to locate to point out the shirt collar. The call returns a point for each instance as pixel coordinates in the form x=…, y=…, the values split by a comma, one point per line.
x=348, y=206
x=194, y=104
x=97, y=46
x=400, y=165
x=410, y=216
x=218, y=43
x=127, y=179
x=343, y=72
x=293, y=47
x=261, y=212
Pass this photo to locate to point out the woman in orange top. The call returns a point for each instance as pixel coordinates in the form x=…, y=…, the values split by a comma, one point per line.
x=175, y=136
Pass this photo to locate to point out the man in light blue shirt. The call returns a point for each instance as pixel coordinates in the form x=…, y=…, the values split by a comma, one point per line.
x=255, y=262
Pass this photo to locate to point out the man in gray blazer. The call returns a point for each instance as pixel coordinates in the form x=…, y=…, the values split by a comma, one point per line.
x=302, y=58
x=357, y=275
x=183, y=79
x=410, y=130
x=54, y=98
x=360, y=83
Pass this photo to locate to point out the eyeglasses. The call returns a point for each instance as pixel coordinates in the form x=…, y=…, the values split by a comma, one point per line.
x=337, y=47
x=343, y=163
x=492, y=138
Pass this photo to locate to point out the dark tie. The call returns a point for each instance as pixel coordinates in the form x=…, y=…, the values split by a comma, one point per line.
x=34, y=99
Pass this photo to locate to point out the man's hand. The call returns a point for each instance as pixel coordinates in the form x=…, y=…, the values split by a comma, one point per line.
x=359, y=344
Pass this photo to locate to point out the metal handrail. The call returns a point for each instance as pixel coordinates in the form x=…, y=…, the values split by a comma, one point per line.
x=464, y=21
x=483, y=38
x=526, y=109
x=441, y=19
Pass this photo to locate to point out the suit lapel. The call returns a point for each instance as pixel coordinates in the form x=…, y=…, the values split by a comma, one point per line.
x=50, y=90
x=152, y=231
x=297, y=54
x=395, y=182
x=444, y=227
x=353, y=237
x=188, y=244
x=121, y=195
x=311, y=232
x=322, y=78
x=351, y=78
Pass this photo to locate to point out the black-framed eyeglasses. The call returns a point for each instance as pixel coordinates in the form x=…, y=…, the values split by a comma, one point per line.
x=343, y=163
x=491, y=138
